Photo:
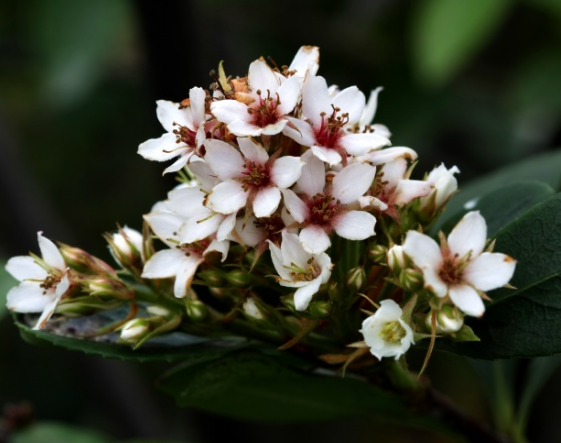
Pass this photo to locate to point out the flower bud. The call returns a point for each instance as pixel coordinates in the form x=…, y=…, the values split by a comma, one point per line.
x=377, y=254
x=80, y=260
x=411, y=280
x=449, y=319
x=396, y=258
x=85, y=305
x=445, y=185
x=213, y=278
x=134, y=330
x=196, y=310
x=158, y=310
x=126, y=248
x=251, y=309
x=239, y=278
x=320, y=309
x=107, y=286
x=356, y=278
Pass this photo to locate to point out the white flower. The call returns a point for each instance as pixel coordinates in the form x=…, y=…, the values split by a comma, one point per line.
x=445, y=185
x=459, y=268
x=253, y=178
x=327, y=123
x=299, y=269
x=43, y=281
x=385, y=333
x=323, y=210
x=185, y=131
x=270, y=97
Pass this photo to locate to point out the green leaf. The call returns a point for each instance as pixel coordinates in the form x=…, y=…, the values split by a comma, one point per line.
x=447, y=33
x=501, y=206
x=524, y=322
x=545, y=168
x=6, y=282
x=172, y=347
x=58, y=433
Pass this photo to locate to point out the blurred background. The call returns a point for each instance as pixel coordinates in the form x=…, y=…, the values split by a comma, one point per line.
x=472, y=83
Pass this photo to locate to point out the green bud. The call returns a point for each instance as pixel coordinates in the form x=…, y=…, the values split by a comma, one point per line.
x=239, y=278
x=133, y=330
x=213, y=278
x=84, y=262
x=396, y=258
x=126, y=248
x=108, y=287
x=80, y=306
x=356, y=278
x=377, y=254
x=411, y=280
x=288, y=301
x=158, y=310
x=196, y=310
x=320, y=309
x=449, y=319
x=251, y=309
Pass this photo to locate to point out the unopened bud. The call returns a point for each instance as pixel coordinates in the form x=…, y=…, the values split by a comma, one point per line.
x=356, y=278
x=411, y=280
x=107, y=286
x=81, y=306
x=251, y=309
x=134, y=330
x=448, y=320
x=82, y=261
x=320, y=309
x=158, y=310
x=377, y=254
x=213, y=278
x=196, y=310
x=396, y=258
x=239, y=278
x=126, y=248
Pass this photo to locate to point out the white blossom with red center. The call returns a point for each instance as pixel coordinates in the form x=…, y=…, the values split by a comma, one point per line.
x=186, y=131
x=327, y=124
x=270, y=97
x=327, y=206
x=458, y=268
x=248, y=178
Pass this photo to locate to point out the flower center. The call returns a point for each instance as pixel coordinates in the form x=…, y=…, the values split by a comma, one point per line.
x=299, y=274
x=331, y=127
x=451, y=271
x=50, y=282
x=272, y=226
x=393, y=332
x=184, y=135
x=264, y=112
x=256, y=175
x=322, y=209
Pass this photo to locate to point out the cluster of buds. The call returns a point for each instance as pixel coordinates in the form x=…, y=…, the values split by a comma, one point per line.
x=293, y=216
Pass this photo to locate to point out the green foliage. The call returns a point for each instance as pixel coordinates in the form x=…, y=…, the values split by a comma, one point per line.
x=6, y=282
x=446, y=34
x=59, y=433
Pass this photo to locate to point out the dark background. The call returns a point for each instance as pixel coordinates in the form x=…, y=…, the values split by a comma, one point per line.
x=472, y=83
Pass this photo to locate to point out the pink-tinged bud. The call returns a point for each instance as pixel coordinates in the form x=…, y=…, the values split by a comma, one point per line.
x=134, y=330
x=196, y=310
x=239, y=278
x=411, y=280
x=356, y=278
x=396, y=258
x=377, y=254
x=84, y=262
x=320, y=310
x=449, y=319
x=126, y=248
x=251, y=309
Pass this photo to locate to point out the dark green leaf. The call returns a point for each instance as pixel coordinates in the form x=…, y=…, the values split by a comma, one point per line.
x=524, y=322
x=447, y=33
x=504, y=205
x=545, y=168
x=58, y=433
x=173, y=347
x=6, y=282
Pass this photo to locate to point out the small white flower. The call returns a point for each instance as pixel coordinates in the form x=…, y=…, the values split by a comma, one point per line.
x=445, y=185
x=459, y=268
x=385, y=333
x=300, y=269
x=43, y=282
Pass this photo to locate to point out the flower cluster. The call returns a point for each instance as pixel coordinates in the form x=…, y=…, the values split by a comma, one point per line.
x=293, y=209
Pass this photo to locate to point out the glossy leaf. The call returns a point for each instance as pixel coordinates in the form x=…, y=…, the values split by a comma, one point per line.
x=446, y=34
x=59, y=433
x=524, y=322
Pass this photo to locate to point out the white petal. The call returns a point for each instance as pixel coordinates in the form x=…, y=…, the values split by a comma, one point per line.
x=314, y=239
x=303, y=295
x=278, y=263
x=390, y=154
x=163, y=264
x=360, y=144
x=407, y=190
x=261, y=77
x=47, y=313
x=28, y=297
x=165, y=225
x=469, y=234
x=289, y=92
x=62, y=286
x=50, y=253
x=227, y=197
x=286, y=170
x=203, y=173
x=489, y=271
x=352, y=182
x=293, y=252
x=161, y=149
x=351, y=101
x=423, y=250
x=196, y=229
x=467, y=300
x=382, y=130
x=227, y=111
x=226, y=227
x=197, y=98
x=315, y=99
x=245, y=129
x=25, y=268
x=369, y=112
x=223, y=159
x=305, y=60
x=355, y=225
x=327, y=155
x=300, y=131
x=295, y=206
x=266, y=201
x=312, y=178
x=218, y=246
x=180, y=162
x=187, y=202
x=249, y=234
x=185, y=274
x=169, y=113
x=274, y=128
x=394, y=171
x=433, y=282
x=253, y=151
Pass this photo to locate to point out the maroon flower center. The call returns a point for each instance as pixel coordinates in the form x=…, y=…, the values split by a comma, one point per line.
x=330, y=130
x=264, y=111
x=184, y=135
x=323, y=208
x=256, y=175
x=451, y=271
x=272, y=226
